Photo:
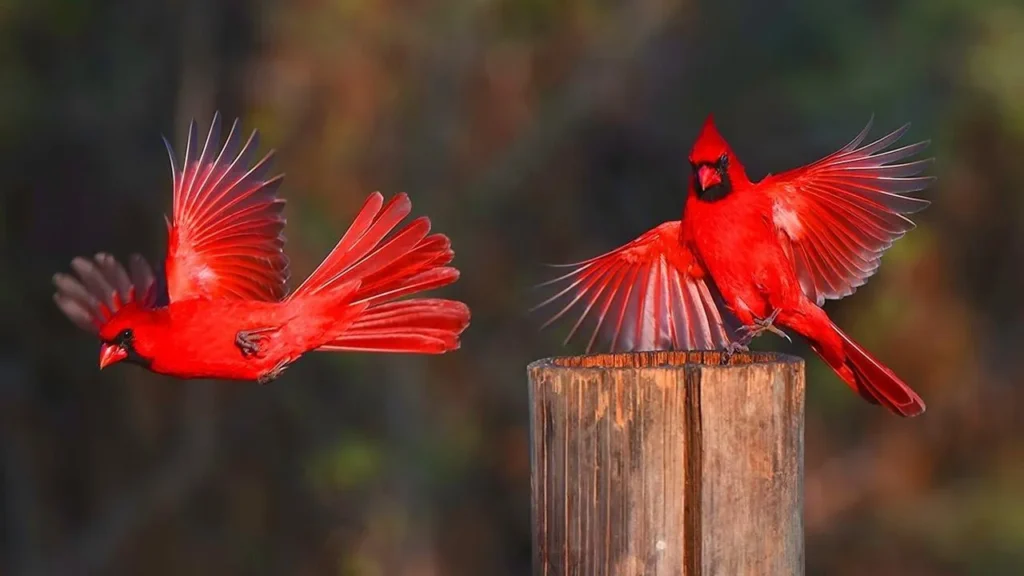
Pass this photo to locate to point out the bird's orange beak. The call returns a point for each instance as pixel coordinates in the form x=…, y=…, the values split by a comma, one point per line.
x=708, y=177
x=110, y=354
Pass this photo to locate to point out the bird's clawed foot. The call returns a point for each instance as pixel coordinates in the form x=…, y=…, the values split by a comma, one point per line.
x=760, y=326
x=748, y=332
x=250, y=342
x=273, y=374
x=733, y=348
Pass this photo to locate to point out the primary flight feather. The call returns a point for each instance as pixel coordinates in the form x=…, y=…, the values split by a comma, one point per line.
x=747, y=257
x=222, y=309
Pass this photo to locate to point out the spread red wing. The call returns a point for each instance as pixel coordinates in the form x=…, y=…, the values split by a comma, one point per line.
x=650, y=294
x=225, y=237
x=101, y=286
x=842, y=212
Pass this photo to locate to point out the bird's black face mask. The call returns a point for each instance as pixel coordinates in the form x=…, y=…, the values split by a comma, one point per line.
x=711, y=179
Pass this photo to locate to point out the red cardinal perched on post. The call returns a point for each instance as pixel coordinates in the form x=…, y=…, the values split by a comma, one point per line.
x=225, y=313
x=751, y=256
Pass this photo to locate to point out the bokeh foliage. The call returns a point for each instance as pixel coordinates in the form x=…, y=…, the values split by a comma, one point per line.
x=530, y=131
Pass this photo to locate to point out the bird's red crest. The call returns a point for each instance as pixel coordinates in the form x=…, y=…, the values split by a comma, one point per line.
x=710, y=146
x=124, y=318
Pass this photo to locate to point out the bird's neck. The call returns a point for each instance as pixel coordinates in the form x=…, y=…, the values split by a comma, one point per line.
x=737, y=174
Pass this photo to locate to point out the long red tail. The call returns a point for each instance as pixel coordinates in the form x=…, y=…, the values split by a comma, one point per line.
x=874, y=381
x=408, y=262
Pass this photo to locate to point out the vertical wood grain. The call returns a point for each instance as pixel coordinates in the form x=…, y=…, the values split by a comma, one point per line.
x=667, y=464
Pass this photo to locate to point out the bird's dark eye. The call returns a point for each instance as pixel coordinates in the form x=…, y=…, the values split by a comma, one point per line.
x=723, y=161
x=124, y=336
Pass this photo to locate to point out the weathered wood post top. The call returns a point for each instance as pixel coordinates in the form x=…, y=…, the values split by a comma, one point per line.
x=667, y=463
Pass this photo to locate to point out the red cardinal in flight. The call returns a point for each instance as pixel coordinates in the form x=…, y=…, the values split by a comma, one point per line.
x=751, y=256
x=223, y=310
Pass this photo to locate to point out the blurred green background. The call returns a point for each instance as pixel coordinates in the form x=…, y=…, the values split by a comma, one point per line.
x=530, y=131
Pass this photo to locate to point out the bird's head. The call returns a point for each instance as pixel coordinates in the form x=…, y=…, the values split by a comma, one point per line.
x=125, y=337
x=715, y=168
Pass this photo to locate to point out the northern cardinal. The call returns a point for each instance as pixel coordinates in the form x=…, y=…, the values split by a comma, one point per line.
x=225, y=313
x=750, y=256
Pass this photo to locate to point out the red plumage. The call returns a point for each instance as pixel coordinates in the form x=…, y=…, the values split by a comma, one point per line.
x=749, y=256
x=226, y=312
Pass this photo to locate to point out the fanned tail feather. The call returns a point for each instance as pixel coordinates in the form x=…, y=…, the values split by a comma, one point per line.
x=422, y=325
x=876, y=382
x=388, y=268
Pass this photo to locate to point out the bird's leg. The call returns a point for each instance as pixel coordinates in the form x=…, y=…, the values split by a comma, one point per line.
x=747, y=333
x=762, y=325
x=274, y=372
x=250, y=341
x=769, y=325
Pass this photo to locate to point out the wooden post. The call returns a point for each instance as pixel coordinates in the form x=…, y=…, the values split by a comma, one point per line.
x=667, y=463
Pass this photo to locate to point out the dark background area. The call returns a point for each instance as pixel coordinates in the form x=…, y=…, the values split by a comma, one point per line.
x=530, y=131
